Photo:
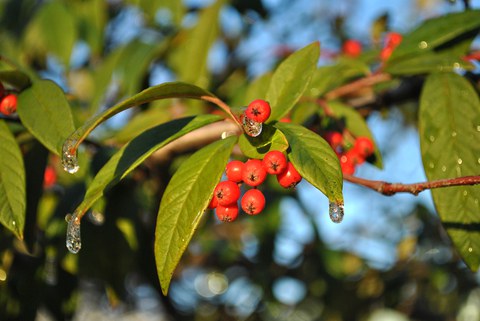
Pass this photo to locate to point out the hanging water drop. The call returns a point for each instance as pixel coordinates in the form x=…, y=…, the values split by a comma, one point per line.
x=69, y=156
x=74, y=240
x=251, y=127
x=336, y=212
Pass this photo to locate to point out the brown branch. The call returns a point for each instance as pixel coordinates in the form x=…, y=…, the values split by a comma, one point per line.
x=357, y=85
x=390, y=189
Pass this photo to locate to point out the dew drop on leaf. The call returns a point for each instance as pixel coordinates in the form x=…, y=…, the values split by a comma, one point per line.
x=336, y=212
x=69, y=156
x=74, y=240
x=251, y=127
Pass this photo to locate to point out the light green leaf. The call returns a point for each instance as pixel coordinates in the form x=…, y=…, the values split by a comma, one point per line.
x=258, y=88
x=291, y=79
x=315, y=160
x=12, y=183
x=136, y=151
x=449, y=123
x=45, y=112
x=270, y=139
x=184, y=202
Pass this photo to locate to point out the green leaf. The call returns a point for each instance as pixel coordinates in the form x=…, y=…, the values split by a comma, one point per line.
x=427, y=63
x=163, y=91
x=184, y=202
x=12, y=183
x=258, y=88
x=270, y=139
x=136, y=151
x=438, y=31
x=291, y=79
x=449, y=123
x=356, y=124
x=190, y=59
x=45, y=112
x=15, y=78
x=327, y=78
x=315, y=160
x=53, y=30
x=92, y=18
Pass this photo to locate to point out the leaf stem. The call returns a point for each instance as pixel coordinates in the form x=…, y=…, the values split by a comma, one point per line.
x=389, y=189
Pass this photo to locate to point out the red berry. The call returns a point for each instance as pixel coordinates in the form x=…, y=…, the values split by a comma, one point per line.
x=227, y=192
x=285, y=119
x=386, y=53
x=258, y=110
x=274, y=162
x=335, y=139
x=347, y=165
x=393, y=39
x=234, y=171
x=289, y=178
x=363, y=146
x=213, y=202
x=49, y=177
x=254, y=174
x=355, y=156
x=227, y=213
x=253, y=202
x=352, y=48
x=8, y=105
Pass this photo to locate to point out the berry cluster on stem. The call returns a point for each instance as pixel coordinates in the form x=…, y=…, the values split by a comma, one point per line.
x=8, y=101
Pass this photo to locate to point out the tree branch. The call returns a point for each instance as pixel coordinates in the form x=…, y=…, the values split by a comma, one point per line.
x=357, y=85
x=390, y=189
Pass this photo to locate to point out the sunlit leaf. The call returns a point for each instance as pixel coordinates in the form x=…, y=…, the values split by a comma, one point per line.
x=12, y=183
x=184, y=202
x=270, y=139
x=427, y=63
x=449, y=123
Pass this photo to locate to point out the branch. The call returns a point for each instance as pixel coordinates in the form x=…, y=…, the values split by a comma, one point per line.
x=357, y=85
x=390, y=189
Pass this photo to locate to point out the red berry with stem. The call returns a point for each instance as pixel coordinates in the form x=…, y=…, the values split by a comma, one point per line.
x=227, y=192
x=363, y=146
x=290, y=177
x=258, y=110
x=234, y=171
x=8, y=105
x=352, y=48
x=254, y=173
x=253, y=202
x=228, y=213
x=274, y=162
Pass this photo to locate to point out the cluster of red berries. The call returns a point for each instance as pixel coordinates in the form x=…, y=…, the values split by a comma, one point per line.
x=349, y=158
x=252, y=173
x=392, y=40
x=8, y=102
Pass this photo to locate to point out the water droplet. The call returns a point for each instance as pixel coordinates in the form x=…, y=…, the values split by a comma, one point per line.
x=478, y=128
x=478, y=160
x=470, y=249
x=96, y=217
x=251, y=127
x=454, y=134
x=459, y=161
x=444, y=168
x=431, y=165
x=432, y=138
x=465, y=193
x=423, y=45
x=476, y=201
x=456, y=65
x=14, y=223
x=69, y=156
x=74, y=240
x=336, y=212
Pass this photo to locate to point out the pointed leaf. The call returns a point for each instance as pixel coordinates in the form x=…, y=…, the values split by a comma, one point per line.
x=314, y=159
x=270, y=139
x=45, y=112
x=136, y=151
x=184, y=202
x=291, y=79
x=12, y=183
x=449, y=124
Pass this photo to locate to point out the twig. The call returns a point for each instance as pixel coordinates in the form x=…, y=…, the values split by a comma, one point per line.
x=390, y=189
x=357, y=85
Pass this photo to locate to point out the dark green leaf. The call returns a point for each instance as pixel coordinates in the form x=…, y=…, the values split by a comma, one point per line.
x=184, y=202
x=438, y=31
x=12, y=183
x=291, y=79
x=426, y=63
x=356, y=124
x=15, y=78
x=135, y=152
x=270, y=139
x=315, y=160
x=449, y=134
x=45, y=112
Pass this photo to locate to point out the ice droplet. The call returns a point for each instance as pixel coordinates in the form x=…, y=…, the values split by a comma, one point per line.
x=74, y=240
x=251, y=127
x=336, y=212
x=69, y=156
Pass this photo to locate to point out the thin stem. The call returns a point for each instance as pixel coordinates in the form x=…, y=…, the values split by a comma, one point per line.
x=223, y=106
x=357, y=85
x=389, y=189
